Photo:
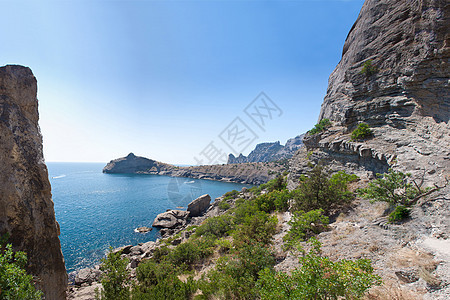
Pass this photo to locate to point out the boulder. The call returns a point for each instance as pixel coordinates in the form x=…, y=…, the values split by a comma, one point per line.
x=171, y=219
x=135, y=250
x=199, y=205
x=143, y=229
x=87, y=276
x=123, y=250
x=148, y=247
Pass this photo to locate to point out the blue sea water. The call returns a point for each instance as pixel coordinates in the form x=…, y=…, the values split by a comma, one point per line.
x=96, y=210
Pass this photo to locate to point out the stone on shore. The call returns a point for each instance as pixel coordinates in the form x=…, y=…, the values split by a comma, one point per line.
x=199, y=205
x=143, y=229
x=171, y=219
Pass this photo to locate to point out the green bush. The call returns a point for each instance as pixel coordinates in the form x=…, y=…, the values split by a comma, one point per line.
x=160, y=281
x=258, y=227
x=235, y=276
x=224, y=205
x=361, y=132
x=368, y=68
x=305, y=225
x=319, y=278
x=275, y=200
x=277, y=184
x=114, y=278
x=15, y=283
x=161, y=253
x=399, y=214
x=391, y=187
x=319, y=190
x=319, y=127
x=216, y=226
x=231, y=195
x=186, y=254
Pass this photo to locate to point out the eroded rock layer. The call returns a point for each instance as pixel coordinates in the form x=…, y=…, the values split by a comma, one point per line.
x=26, y=206
x=394, y=76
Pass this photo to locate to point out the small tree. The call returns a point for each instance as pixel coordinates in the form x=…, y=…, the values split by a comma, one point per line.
x=319, y=278
x=319, y=127
x=115, y=278
x=368, y=68
x=319, y=190
x=363, y=131
x=305, y=225
x=391, y=187
x=15, y=283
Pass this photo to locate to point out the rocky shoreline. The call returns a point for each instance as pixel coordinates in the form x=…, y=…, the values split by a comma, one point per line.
x=246, y=173
x=83, y=282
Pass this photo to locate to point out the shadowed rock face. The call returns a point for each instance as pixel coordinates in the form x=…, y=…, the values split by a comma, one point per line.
x=26, y=206
x=405, y=100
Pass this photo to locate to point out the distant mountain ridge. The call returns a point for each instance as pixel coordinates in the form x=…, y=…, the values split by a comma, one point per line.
x=267, y=152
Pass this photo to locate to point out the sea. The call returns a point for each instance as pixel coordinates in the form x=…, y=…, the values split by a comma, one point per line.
x=97, y=211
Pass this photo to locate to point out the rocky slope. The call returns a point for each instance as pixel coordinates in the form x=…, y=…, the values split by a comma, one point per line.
x=266, y=152
x=250, y=173
x=26, y=206
x=405, y=99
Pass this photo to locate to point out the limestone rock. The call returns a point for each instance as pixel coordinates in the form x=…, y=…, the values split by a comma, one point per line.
x=87, y=275
x=266, y=152
x=143, y=229
x=199, y=205
x=26, y=206
x=136, y=164
x=250, y=173
x=171, y=219
x=123, y=249
x=405, y=100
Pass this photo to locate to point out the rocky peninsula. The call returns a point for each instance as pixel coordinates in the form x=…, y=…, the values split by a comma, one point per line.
x=248, y=173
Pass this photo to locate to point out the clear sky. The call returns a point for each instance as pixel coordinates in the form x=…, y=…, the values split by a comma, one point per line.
x=164, y=79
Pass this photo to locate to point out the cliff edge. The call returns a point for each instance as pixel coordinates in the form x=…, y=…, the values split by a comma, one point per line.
x=394, y=76
x=26, y=206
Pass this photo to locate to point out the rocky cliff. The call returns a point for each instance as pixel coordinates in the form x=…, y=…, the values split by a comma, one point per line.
x=26, y=206
x=266, y=152
x=250, y=173
x=394, y=76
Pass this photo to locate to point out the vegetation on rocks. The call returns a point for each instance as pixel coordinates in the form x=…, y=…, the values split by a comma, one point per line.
x=320, y=190
x=321, y=126
x=15, y=283
x=319, y=278
x=238, y=245
x=115, y=278
x=362, y=132
x=369, y=68
x=392, y=187
x=305, y=225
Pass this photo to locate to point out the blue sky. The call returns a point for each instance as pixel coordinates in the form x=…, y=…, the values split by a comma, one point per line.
x=163, y=79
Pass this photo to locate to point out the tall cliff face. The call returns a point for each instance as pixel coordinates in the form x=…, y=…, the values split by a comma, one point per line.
x=26, y=206
x=405, y=99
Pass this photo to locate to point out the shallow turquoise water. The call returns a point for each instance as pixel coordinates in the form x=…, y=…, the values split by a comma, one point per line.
x=97, y=210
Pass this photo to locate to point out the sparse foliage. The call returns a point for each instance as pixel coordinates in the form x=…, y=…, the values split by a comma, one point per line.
x=319, y=127
x=319, y=278
x=15, y=283
x=391, y=187
x=305, y=225
x=368, y=68
x=362, y=132
x=114, y=278
x=319, y=190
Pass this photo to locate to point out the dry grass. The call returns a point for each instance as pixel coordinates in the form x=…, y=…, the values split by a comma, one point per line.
x=407, y=258
x=390, y=291
x=429, y=278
